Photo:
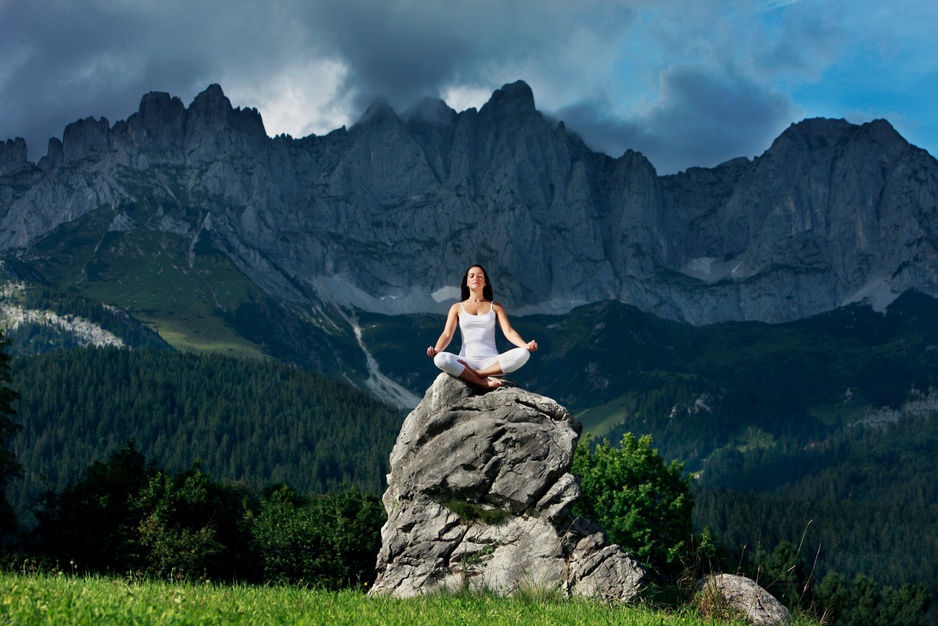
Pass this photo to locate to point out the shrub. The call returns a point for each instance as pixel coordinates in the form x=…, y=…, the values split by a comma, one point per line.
x=90, y=525
x=328, y=541
x=644, y=504
x=191, y=526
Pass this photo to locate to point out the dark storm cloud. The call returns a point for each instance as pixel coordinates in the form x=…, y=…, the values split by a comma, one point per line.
x=69, y=60
x=58, y=66
x=63, y=61
x=391, y=51
x=684, y=82
x=701, y=119
x=402, y=50
x=97, y=58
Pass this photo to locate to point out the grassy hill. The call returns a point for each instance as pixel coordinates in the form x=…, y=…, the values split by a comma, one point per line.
x=67, y=599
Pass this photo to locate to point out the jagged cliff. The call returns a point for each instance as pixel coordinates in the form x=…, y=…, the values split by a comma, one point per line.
x=386, y=214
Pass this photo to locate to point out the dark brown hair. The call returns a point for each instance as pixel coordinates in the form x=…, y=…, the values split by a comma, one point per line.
x=486, y=291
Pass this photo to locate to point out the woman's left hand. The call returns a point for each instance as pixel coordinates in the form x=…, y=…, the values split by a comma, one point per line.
x=532, y=346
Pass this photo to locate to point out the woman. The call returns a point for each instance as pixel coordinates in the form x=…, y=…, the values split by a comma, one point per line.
x=479, y=362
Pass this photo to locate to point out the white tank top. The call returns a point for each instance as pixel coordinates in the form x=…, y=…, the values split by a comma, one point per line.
x=478, y=334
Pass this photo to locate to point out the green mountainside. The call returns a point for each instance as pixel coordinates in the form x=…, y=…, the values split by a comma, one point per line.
x=260, y=423
x=185, y=289
x=697, y=390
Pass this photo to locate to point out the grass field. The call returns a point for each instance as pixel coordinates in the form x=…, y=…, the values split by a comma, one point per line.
x=64, y=599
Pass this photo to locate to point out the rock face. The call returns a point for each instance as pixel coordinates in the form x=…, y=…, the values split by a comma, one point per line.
x=747, y=598
x=479, y=496
x=383, y=214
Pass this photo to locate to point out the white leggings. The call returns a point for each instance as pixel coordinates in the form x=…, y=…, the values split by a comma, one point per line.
x=507, y=361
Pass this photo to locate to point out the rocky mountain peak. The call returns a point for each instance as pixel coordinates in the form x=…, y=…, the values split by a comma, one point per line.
x=515, y=98
x=158, y=107
x=378, y=113
x=211, y=111
x=211, y=102
x=432, y=111
x=12, y=156
x=828, y=128
x=820, y=134
x=160, y=121
x=510, y=108
x=54, y=155
x=85, y=138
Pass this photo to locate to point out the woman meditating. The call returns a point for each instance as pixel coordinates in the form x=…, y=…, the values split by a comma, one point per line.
x=479, y=362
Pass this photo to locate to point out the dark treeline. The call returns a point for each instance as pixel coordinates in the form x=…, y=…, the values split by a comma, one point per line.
x=242, y=420
x=127, y=517
x=892, y=545
x=865, y=497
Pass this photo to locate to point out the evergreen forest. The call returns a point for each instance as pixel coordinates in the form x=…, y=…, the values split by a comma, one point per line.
x=256, y=422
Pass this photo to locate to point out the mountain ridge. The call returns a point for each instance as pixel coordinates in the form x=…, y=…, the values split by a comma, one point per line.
x=385, y=214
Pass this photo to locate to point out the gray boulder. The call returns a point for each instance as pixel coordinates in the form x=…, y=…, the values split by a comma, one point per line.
x=479, y=495
x=745, y=597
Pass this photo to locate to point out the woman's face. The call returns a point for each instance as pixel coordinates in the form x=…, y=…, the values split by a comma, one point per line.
x=475, y=278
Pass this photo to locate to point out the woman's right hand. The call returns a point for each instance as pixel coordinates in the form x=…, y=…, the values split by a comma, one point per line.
x=432, y=352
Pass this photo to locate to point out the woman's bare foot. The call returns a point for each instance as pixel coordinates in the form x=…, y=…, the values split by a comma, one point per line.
x=471, y=376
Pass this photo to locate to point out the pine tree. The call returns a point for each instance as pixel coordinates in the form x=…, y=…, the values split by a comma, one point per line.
x=9, y=467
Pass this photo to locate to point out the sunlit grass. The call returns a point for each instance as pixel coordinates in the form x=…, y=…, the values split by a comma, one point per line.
x=599, y=420
x=182, y=337
x=65, y=599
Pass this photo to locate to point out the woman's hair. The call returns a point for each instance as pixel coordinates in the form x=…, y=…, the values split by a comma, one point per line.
x=486, y=291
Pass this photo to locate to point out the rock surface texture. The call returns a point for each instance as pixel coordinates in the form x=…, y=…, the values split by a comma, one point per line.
x=747, y=598
x=479, y=496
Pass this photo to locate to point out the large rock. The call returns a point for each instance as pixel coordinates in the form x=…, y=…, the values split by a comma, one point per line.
x=479, y=496
x=745, y=597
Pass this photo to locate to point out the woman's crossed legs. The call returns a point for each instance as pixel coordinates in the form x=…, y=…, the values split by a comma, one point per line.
x=482, y=372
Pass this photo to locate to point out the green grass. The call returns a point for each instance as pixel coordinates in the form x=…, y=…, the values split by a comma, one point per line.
x=599, y=420
x=64, y=599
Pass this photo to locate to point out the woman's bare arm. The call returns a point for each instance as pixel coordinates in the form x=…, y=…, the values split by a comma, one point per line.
x=510, y=333
x=452, y=319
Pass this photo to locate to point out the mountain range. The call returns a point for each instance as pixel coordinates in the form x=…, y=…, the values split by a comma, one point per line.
x=385, y=215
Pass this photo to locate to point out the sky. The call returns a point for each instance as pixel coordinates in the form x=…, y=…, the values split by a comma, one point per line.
x=685, y=82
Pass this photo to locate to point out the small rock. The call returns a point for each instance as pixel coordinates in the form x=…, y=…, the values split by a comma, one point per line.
x=744, y=596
